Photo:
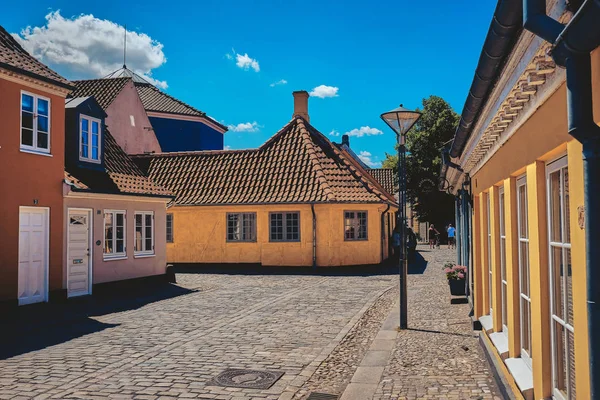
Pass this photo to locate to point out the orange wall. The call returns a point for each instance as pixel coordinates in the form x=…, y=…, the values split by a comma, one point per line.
x=27, y=177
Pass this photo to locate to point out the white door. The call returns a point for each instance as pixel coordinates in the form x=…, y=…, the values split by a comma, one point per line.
x=33, y=255
x=78, y=253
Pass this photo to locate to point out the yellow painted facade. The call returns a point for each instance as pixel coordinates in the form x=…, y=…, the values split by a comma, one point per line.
x=200, y=236
x=539, y=141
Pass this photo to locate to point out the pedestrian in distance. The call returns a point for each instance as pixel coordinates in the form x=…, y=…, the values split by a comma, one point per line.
x=433, y=237
x=451, y=236
x=396, y=244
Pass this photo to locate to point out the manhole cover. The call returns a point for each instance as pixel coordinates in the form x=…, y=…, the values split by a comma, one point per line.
x=247, y=378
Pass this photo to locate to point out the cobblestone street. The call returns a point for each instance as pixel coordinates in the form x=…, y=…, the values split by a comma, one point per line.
x=315, y=329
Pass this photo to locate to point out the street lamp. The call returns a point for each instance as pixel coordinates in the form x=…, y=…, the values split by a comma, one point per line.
x=401, y=120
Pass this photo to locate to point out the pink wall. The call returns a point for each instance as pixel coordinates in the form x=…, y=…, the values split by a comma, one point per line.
x=133, y=139
x=132, y=267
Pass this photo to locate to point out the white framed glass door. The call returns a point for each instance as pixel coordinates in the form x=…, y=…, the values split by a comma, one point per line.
x=561, y=289
x=489, y=248
x=504, y=282
x=524, y=290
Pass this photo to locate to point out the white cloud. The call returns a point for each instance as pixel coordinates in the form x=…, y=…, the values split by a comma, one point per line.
x=84, y=47
x=323, y=91
x=367, y=158
x=334, y=133
x=245, y=127
x=226, y=147
x=279, y=82
x=243, y=61
x=364, y=131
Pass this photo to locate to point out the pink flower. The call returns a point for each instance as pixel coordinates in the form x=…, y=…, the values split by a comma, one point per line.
x=448, y=270
x=461, y=275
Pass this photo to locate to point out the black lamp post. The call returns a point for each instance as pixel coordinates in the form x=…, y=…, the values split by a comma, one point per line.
x=401, y=120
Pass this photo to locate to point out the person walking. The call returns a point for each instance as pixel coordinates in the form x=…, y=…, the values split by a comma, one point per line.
x=433, y=236
x=396, y=244
x=451, y=236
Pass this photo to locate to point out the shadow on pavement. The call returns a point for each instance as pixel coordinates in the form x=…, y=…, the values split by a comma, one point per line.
x=417, y=264
x=443, y=333
x=35, y=327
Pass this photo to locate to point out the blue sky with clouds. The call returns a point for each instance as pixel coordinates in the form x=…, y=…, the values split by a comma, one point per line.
x=239, y=61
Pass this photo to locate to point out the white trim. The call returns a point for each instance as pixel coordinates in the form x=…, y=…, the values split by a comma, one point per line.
x=33, y=83
x=503, y=280
x=526, y=357
x=489, y=248
x=89, y=134
x=120, y=197
x=37, y=153
x=34, y=149
x=114, y=255
x=90, y=214
x=47, y=247
x=145, y=252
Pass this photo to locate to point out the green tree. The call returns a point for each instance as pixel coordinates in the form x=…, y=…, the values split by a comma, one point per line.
x=423, y=161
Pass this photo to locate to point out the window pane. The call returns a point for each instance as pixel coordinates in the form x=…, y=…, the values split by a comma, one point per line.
x=27, y=120
x=524, y=264
x=525, y=326
x=120, y=219
x=27, y=102
x=276, y=226
x=504, y=305
x=42, y=124
x=503, y=258
x=148, y=220
x=523, y=211
x=94, y=153
x=149, y=234
x=108, y=233
x=148, y=244
x=42, y=140
x=169, y=227
x=571, y=371
x=557, y=279
x=555, y=209
x=560, y=367
x=42, y=107
x=233, y=231
x=501, y=209
x=569, y=284
x=120, y=246
x=85, y=125
x=138, y=220
x=95, y=128
x=567, y=209
x=138, y=238
x=95, y=140
x=84, y=151
x=27, y=137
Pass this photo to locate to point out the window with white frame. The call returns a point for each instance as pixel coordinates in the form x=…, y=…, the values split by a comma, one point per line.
x=169, y=228
x=89, y=139
x=489, y=249
x=504, y=282
x=114, y=234
x=144, y=233
x=561, y=285
x=284, y=226
x=35, y=123
x=355, y=225
x=241, y=227
x=524, y=295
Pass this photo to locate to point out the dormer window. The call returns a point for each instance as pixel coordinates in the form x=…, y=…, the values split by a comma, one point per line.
x=89, y=139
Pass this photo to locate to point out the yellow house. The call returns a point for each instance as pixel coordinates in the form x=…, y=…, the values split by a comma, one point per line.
x=519, y=178
x=297, y=200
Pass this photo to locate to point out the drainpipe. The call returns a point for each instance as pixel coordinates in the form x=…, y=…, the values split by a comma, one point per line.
x=457, y=223
x=314, y=216
x=571, y=49
x=383, y=234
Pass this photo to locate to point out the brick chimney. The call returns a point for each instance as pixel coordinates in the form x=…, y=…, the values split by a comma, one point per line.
x=301, y=104
x=346, y=140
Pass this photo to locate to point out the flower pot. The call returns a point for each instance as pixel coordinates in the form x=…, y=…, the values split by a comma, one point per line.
x=457, y=287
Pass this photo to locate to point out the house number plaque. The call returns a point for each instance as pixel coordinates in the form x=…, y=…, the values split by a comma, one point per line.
x=77, y=261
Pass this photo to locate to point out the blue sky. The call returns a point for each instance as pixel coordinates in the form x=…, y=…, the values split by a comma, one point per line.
x=223, y=56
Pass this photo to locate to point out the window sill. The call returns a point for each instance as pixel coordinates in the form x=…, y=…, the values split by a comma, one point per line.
x=144, y=255
x=522, y=375
x=89, y=160
x=500, y=342
x=486, y=323
x=114, y=258
x=38, y=153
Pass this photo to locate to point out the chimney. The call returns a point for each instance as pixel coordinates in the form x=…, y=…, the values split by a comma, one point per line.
x=346, y=140
x=301, y=104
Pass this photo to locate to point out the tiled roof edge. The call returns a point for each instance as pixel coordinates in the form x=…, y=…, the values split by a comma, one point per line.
x=36, y=76
x=191, y=153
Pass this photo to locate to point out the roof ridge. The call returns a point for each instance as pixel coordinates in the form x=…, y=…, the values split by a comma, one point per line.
x=192, y=153
x=318, y=168
x=203, y=114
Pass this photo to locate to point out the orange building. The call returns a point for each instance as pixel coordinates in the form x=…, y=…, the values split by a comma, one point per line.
x=32, y=146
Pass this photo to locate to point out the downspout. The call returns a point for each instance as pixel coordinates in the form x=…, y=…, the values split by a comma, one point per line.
x=457, y=222
x=383, y=234
x=571, y=49
x=314, y=216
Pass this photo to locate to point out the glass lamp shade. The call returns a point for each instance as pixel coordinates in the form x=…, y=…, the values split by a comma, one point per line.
x=400, y=119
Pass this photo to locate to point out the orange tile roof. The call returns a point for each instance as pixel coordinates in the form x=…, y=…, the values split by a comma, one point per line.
x=297, y=165
x=120, y=175
x=386, y=177
x=105, y=91
x=13, y=56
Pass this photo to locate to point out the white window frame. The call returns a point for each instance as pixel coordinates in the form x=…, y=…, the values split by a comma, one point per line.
x=90, y=120
x=144, y=252
x=503, y=274
x=34, y=148
x=524, y=299
x=169, y=217
x=489, y=248
x=552, y=167
x=114, y=255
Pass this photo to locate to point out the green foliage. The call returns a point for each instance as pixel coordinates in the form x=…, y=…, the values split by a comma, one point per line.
x=424, y=142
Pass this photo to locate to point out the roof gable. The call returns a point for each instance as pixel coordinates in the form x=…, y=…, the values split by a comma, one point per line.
x=13, y=56
x=105, y=91
x=297, y=165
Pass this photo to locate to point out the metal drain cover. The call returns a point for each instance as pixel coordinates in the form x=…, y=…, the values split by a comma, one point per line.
x=322, y=396
x=247, y=378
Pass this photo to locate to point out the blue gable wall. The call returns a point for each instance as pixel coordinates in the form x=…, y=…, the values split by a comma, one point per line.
x=178, y=135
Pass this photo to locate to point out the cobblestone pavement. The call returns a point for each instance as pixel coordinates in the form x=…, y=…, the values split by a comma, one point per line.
x=170, y=346
x=438, y=357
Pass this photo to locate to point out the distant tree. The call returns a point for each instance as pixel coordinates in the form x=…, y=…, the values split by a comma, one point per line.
x=435, y=127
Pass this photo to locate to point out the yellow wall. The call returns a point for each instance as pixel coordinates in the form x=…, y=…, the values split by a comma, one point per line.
x=199, y=234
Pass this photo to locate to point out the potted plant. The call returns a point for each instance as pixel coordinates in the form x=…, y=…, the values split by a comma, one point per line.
x=456, y=279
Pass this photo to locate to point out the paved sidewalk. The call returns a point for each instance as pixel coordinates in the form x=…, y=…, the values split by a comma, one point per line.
x=438, y=357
